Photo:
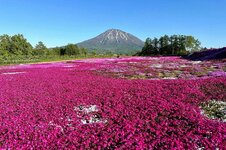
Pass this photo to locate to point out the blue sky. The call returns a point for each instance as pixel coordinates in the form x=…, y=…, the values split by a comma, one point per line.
x=59, y=22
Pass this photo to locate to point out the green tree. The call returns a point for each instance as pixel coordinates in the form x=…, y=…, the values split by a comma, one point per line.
x=181, y=47
x=83, y=51
x=155, y=46
x=192, y=44
x=72, y=49
x=40, y=49
x=15, y=44
x=40, y=46
x=164, y=44
x=148, y=48
x=55, y=51
x=170, y=45
x=5, y=45
x=174, y=46
x=20, y=46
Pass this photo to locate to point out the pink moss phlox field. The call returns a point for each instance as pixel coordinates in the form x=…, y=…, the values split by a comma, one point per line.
x=43, y=106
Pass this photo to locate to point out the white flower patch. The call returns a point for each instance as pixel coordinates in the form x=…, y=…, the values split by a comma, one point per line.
x=157, y=65
x=57, y=126
x=171, y=65
x=11, y=73
x=201, y=148
x=92, y=120
x=86, y=109
x=153, y=58
x=89, y=114
x=214, y=110
x=117, y=70
x=171, y=78
x=133, y=62
x=141, y=73
x=69, y=66
x=154, y=79
x=183, y=66
x=196, y=62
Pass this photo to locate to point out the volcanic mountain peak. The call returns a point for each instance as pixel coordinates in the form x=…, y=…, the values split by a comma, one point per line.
x=115, y=41
x=115, y=34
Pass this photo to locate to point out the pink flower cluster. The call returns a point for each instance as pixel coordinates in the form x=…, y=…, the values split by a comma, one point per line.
x=86, y=105
x=162, y=68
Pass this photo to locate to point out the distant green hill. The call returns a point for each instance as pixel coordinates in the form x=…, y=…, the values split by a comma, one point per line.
x=113, y=41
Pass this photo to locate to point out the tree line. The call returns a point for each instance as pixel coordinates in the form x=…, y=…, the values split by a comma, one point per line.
x=170, y=45
x=18, y=45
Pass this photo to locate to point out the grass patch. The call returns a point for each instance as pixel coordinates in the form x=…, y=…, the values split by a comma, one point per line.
x=37, y=59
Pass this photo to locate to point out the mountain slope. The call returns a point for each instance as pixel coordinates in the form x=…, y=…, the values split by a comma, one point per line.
x=114, y=41
x=209, y=54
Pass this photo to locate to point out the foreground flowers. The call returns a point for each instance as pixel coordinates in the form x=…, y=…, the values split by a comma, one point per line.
x=94, y=104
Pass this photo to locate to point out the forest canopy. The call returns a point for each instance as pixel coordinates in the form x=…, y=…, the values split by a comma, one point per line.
x=170, y=45
x=18, y=45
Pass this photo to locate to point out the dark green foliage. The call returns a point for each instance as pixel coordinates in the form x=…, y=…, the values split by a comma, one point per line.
x=72, y=49
x=5, y=45
x=83, y=51
x=149, y=48
x=40, y=49
x=20, y=45
x=15, y=45
x=16, y=48
x=55, y=51
x=170, y=45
